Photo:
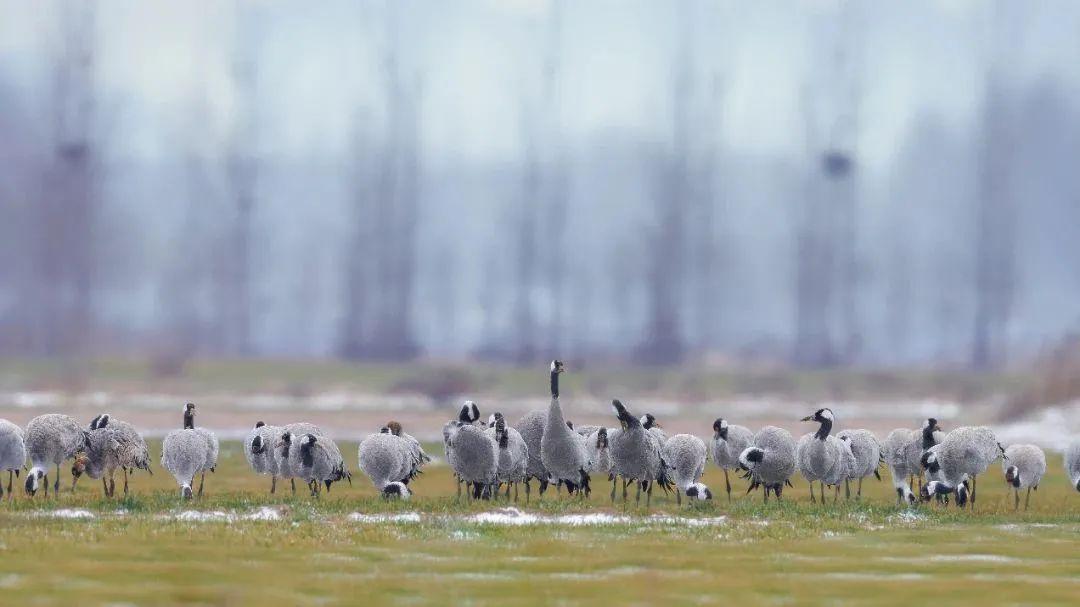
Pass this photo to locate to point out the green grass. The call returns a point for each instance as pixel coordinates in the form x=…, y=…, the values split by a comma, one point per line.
x=871, y=552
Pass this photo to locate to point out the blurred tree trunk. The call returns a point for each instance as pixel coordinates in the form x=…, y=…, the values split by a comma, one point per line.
x=707, y=220
x=541, y=219
x=527, y=249
x=995, y=206
x=827, y=265
x=358, y=258
x=555, y=181
x=664, y=342
x=65, y=223
x=243, y=179
x=813, y=277
x=995, y=237
x=393, y=216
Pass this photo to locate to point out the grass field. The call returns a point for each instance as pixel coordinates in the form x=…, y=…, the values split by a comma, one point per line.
x=238, y=545
x=301, y=377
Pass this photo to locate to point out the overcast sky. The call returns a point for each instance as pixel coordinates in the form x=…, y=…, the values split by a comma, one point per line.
x=477, y=60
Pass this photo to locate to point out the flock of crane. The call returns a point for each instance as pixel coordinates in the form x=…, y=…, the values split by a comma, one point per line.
x=492, y=458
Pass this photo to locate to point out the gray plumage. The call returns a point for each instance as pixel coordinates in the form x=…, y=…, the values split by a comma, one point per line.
x=635, y=454
x=902, y=452
x=300, y=428
x=319, y=462
x=12, y=452
x=212, y=448
x=112, y=444
x=134, y=454
x=820, y=456
x=259, y=451
x=210, y=441
x=386, y=459
x=531, y=429
x=282, y=445
x=50, y=440
x=98, y=459
x=685, y=455
x=729, y=441
x=513, y=454
x=867, y=455
x=599, y=446
x=1072, y=463
x=963, y=454
x=473, y=455
x=562, y=451
x=586, y=430
x=648, y=421
x=183, y=454
x=895, y=451
x=417, y=457
x=770, y=460
x=1024, y=467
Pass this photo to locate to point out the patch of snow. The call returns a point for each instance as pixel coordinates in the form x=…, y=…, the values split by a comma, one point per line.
x=978, y=558
x=505, y=516
x=907, y=517
x=1022, y=578
x=197, y=516
x=1024, y=527
x=886, y=577
x=513, y=516
x=1052, y=428
x=10, y=580
x=596, y=518
x=29, y=400
x=72, y=513
x=688, y=521
x=265, y=513
x=404, y=517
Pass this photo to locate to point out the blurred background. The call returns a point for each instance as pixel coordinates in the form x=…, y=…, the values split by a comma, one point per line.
x=693, y=200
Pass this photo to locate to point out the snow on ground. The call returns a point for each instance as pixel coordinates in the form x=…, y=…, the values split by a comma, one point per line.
x=1052, y=428
x=514, y=517
x=70, y=513
x=264, y=513
x=406, y=517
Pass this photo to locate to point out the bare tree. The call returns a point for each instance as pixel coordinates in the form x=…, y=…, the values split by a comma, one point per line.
x=66, y=219
x=995, y=207
x=541, y=215
x=555, y=179
x=707, y=219
x=195, y=288
x=358, y=258
x=243, y=170
x=378, y=322
x=526, y=245
x=663, y=342
x=827, y=270
x=20, y=157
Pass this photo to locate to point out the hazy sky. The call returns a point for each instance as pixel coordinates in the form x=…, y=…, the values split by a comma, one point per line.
x=164, y=62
